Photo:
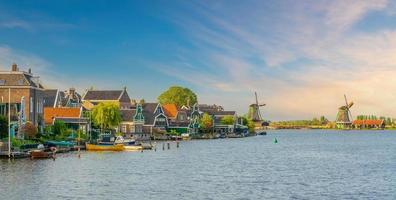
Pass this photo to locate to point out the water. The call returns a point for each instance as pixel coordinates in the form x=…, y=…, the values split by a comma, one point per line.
x=306, y=164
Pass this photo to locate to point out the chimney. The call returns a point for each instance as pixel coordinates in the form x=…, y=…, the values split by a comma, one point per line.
x=14, y=67
x=72, y=92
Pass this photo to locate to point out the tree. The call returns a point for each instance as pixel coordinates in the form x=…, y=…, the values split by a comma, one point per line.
x=29, y=130
x=228, y=120
x=206, y=123
x=106, y=115
x=3, y=126
x=59, y=128
x=249, y=123
x=179, y=96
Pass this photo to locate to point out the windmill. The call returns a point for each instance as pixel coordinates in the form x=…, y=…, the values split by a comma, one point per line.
x=254, y=111
x=344, y=115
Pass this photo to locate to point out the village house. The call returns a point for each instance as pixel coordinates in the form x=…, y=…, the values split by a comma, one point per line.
x=55, y=98
x=369, y=124
x=178, y=119
x=25, y=91
x=142, y=122
x=132, y=124
x=71, y=116
x=94, y=97
x=155, y=120
x=217, y=113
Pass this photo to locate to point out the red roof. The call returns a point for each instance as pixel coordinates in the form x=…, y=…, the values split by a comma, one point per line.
x=369, y=122
x=51, y=113
x=170, y=110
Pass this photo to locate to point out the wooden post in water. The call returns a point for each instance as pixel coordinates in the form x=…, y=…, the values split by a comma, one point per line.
x=168, y=145
x=163, y=146
x=177, y=144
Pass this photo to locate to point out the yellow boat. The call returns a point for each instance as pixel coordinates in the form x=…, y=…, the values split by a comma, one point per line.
x=132, y=148
x=104, y=147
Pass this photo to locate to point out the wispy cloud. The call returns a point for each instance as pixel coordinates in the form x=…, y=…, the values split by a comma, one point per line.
x=303, y=56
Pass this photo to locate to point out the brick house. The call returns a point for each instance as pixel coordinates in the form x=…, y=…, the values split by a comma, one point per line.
x=22, y=85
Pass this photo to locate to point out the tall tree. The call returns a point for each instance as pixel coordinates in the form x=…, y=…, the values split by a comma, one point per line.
x=106, y=115
x=179, y=96
x=228, y=120
x=206, y=123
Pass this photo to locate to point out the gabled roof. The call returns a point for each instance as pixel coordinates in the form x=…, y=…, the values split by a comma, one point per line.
x=220, y=113
x=148, y=112
x=103, y=95
x=50, y=96
x=18, y=78
x=51, y=113
x=127, y=115
x=170, y=110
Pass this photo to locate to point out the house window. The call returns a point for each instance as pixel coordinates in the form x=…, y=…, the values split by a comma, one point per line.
x=2, y=82
x=123, y=128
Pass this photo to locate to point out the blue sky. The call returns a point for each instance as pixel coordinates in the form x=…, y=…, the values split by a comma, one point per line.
x=300, y=56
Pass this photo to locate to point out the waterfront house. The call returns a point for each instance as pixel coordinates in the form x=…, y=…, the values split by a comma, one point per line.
x=217, y=113
x=155, y=120
x=143, y=121
x=132, y=124
x=71, y=116
x=93, y=97
x=178, y=119
x=25, y=91
x=369, y=124
x=55, y=98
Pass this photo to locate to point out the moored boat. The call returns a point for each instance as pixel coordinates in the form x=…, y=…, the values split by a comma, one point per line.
x=104, y=147
x=133, y=147
x=40, y=154
x=185, y=136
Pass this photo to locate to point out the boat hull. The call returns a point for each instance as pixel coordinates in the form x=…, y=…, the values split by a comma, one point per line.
x=132, y=148
x=35, y=154
x=98, y=147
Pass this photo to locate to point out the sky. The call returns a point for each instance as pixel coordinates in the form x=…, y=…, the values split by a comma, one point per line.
x=300, y=56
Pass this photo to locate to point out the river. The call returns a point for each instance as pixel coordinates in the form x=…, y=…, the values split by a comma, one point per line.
x=304, y=164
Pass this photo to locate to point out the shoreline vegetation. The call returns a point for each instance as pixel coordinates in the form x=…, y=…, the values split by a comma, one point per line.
x=324, y=123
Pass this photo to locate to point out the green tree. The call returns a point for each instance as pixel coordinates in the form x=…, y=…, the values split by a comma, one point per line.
x=179, y=96
x=106, y=115
x=228, y=120
x=206, y=123
x=249, y=123
x=59, y=128
x=3, y=126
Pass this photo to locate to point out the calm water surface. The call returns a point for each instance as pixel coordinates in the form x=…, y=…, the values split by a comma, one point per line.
x=303, y=165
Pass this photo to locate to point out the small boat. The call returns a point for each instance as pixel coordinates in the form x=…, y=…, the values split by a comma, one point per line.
x=185, y=136
x=104, y=147
x=38, y=153
x=133, y=148
x=129, y=144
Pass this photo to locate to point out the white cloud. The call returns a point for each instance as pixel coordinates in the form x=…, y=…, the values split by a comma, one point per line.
x=337, y=59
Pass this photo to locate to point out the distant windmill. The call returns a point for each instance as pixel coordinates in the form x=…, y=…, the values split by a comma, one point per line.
x=254, y=111
x=344, y=115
